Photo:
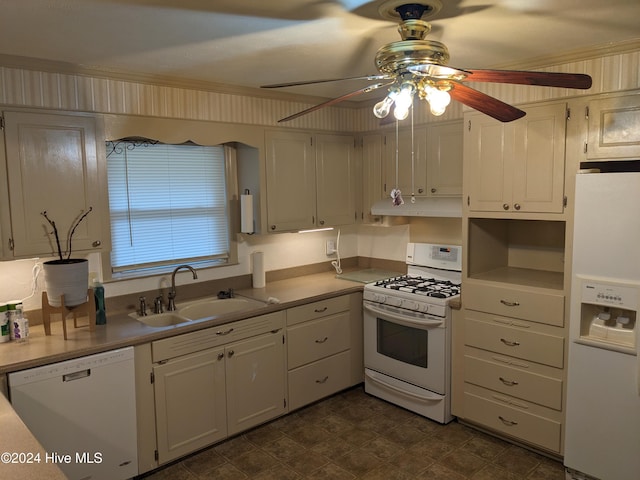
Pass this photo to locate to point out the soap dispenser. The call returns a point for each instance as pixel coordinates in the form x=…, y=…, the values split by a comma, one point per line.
x=98, y=295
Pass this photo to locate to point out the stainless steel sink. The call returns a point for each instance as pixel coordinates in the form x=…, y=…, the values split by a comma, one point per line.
x=216, y=307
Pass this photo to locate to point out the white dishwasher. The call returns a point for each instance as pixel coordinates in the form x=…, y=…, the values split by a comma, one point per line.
x=83, y=412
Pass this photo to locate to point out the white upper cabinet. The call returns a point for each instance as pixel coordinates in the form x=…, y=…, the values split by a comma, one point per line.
x=444, y=159
x=614, y=128
x=517, y=166
x=52, y=165
x=310, y=180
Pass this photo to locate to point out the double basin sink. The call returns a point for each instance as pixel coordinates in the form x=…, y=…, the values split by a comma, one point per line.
x=198, y=310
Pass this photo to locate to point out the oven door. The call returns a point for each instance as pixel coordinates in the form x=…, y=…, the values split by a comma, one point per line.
x=410, y=346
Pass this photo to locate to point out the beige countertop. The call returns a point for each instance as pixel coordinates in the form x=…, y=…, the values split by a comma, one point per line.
x=120, y=331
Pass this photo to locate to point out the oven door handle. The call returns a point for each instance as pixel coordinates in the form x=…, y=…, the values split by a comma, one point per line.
x=403, y=320
x=426, y=396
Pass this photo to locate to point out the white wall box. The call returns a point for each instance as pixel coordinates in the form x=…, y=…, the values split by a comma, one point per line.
x=614, y=128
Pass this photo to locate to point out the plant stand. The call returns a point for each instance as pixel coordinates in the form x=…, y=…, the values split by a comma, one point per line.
x=87, y=308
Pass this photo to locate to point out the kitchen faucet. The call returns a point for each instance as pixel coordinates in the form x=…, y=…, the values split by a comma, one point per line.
x=172, y=294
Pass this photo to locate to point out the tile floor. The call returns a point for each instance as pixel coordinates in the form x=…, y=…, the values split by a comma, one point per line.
x=354, y=435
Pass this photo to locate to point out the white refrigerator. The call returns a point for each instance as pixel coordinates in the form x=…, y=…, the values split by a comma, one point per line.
x=603, y=386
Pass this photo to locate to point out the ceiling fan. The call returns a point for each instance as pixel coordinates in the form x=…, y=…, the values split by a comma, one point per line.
x=416, y=66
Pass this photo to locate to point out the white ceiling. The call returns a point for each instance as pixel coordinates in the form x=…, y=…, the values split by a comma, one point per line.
x=254, y=42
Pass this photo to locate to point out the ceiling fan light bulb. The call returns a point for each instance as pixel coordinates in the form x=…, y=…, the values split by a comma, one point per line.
x=437, y=110
x=400, y=112
x=383, y=107
x=438, y=99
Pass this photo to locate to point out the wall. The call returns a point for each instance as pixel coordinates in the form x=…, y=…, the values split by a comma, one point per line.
x=29, y=88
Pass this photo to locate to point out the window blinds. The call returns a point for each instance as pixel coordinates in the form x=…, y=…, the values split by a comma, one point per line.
x=167, y=204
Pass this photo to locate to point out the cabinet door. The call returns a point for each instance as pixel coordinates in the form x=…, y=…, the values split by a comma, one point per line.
x=487, y=175
x=291, y=181
x=412, y=168
x=52, y=165
x=538, y=158
x=614, y=128
x=372, y=190
x=190, y=403
x=517, y=166
x=255, y=371
x=444, y=159
x=335, y=175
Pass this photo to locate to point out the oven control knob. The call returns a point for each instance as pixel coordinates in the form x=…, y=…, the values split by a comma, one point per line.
x=410, y=305
x=396, y=302
x=379, y=298
x=424, y=307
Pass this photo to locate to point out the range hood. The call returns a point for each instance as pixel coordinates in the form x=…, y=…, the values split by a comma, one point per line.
x=423, y=207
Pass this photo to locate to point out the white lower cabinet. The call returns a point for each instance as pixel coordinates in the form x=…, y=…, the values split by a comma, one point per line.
x=324, y=348
x=234, y=380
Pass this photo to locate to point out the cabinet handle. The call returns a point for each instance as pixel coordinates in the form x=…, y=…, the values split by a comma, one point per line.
x=226, y=332
x=96, y=243
x=220, y=356
x=434, y=190
x=320, y=310
x=230, y=354
x=323, y=340
x=272, y=227
x=510, y=304
x=505, y=206
x=323, y=380
x=321, y=222
x=421, y=190
x=509, y=423
x=509, y=343
x=516, y=206
x=508, y=383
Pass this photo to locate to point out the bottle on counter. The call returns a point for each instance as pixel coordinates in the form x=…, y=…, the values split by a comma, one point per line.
x=98, y=295
x=5, y=334
x=19, y=326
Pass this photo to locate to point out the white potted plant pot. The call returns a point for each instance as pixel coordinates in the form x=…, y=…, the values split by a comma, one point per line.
x=68, y=277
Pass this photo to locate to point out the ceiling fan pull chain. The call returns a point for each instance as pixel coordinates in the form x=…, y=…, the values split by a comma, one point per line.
x=413, y=163
x=396, y=195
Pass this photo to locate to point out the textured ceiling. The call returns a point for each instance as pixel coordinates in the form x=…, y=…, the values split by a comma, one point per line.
x=248, y=42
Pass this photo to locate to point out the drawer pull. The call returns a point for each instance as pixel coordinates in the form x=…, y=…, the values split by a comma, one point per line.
x=323, y=340
x=220, y=356
x=323, y=380
x=509, y=383
x=509, y=304
x=320, y=310
x=509, y=423
x=226, y=332
x=509, y=343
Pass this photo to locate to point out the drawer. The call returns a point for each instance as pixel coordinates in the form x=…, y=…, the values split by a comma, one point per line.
x=536, y=306
x=319, y=309
x=533, y=387
x=316, y=339
x=319, y=379
x=212, y=337
x=513, y=421
x=516, y=339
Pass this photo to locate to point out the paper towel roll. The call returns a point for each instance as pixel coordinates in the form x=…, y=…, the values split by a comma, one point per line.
x=246, y=213
x=258, y=269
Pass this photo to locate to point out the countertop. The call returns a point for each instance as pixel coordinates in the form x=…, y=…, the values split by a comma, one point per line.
x=120, y=331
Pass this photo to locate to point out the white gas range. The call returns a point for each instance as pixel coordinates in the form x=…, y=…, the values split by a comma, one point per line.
x=407, y=331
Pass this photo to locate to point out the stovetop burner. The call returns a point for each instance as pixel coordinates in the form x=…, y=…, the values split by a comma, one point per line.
x=428, y=287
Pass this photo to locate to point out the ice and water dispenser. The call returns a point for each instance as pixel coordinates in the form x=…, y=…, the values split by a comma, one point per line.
x=608, y=315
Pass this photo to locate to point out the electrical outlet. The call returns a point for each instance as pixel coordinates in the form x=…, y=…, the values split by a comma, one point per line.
x=330, y=247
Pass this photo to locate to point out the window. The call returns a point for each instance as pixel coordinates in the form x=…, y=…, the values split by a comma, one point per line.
x=168, y=206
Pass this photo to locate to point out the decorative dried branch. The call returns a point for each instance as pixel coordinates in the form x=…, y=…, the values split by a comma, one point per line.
x=73, y=229
x=55, y=232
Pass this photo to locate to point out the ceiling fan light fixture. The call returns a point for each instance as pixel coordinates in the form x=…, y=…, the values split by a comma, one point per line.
x=438, y=100
x=383, y=107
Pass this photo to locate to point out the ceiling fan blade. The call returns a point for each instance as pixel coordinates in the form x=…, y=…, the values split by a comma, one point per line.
x=333, y=101
x=484, y=103
x=519, y=77
x=326, y=80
